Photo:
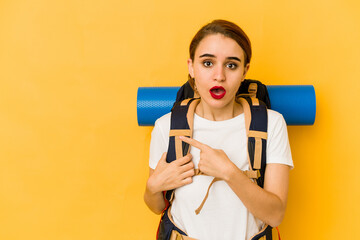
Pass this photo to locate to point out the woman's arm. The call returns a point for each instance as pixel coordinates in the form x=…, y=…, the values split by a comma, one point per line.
x=268, y=203
x=153, y=199
x=167, y=176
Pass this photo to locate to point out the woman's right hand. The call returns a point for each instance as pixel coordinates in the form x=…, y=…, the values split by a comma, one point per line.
x=167, y=176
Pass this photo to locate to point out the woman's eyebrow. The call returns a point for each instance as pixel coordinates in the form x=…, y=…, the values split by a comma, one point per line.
x=213, y=56
x=234, y=58
x=207, y=55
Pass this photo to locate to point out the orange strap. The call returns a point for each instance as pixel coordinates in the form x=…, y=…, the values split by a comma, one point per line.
x=252, y=174
x=252, y=89
x=197, y=172
x=258, y=135
x=278, y=233
x=197, y=211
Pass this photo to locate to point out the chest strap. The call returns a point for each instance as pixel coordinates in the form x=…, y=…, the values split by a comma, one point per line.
x=197, y=211
x=249, y=173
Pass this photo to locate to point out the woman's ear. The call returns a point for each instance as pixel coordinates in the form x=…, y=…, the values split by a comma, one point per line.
x=190, y=67
x=246, y=69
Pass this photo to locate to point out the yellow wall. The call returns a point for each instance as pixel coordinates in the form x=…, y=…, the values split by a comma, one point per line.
x=73, y=162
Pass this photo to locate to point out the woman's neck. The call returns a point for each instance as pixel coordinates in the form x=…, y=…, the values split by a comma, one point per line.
x=229, y=111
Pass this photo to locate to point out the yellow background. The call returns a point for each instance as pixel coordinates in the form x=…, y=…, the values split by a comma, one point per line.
x=73, y=162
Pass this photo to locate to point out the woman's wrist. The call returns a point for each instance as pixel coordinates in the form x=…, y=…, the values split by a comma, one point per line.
x=230, y=172
x=154, y=198
x=152, y=186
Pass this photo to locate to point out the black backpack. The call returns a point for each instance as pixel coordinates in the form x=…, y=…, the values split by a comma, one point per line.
x=255, y=100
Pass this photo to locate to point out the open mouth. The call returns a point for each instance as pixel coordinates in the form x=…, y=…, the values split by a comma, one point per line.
x=217, y=92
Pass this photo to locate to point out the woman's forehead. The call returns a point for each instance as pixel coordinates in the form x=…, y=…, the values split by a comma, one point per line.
x=219, y=46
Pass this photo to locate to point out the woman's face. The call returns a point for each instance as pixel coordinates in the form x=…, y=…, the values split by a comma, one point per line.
x=218, y=69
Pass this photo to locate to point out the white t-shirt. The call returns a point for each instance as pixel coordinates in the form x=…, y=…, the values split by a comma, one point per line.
x=223, y=215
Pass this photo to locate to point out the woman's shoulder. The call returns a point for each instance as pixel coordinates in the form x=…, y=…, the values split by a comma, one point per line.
x=275, y=120
x=163, y=122
x=274, y=115
x=163, y=119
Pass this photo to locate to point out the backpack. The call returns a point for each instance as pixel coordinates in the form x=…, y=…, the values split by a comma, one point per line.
x=254, y=98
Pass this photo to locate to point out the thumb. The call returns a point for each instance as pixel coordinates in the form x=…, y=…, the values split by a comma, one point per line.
x=163, y=157
x=162, y=162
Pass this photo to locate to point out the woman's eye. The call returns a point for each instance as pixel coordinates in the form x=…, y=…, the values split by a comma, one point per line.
x=207, y=63
x=231, y=65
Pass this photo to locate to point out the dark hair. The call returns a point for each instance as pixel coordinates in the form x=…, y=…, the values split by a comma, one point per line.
x=226, y=28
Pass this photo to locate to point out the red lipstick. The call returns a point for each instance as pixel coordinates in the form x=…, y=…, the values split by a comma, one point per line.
x=217, y=92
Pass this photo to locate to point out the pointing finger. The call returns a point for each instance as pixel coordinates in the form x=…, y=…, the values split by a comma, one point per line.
x=193, y=142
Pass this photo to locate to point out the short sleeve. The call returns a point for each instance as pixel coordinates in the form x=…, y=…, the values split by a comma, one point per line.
x=159, y=140
x=278, y=147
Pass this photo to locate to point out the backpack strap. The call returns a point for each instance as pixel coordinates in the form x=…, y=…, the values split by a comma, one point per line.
x=256, y=120
x=182, y=121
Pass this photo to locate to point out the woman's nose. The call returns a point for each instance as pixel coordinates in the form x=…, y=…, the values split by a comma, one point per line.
x=219, y=73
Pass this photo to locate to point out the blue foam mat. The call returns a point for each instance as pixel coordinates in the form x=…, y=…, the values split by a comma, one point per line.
x=297, y=103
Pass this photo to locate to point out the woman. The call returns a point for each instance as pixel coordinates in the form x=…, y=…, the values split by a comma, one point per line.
x=236, y=207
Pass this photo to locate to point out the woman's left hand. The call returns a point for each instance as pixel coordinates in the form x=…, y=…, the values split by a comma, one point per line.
x=213, y=162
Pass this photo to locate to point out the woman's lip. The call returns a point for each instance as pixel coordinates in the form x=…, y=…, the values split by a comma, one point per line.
x=217, y=96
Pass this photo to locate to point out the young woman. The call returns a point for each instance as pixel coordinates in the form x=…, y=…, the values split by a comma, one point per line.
x=236, y=208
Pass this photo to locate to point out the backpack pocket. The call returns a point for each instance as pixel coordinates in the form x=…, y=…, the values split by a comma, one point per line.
x=168, y=230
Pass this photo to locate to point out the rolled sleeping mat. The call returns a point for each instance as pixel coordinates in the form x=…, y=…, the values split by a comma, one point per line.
x=297, y=103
